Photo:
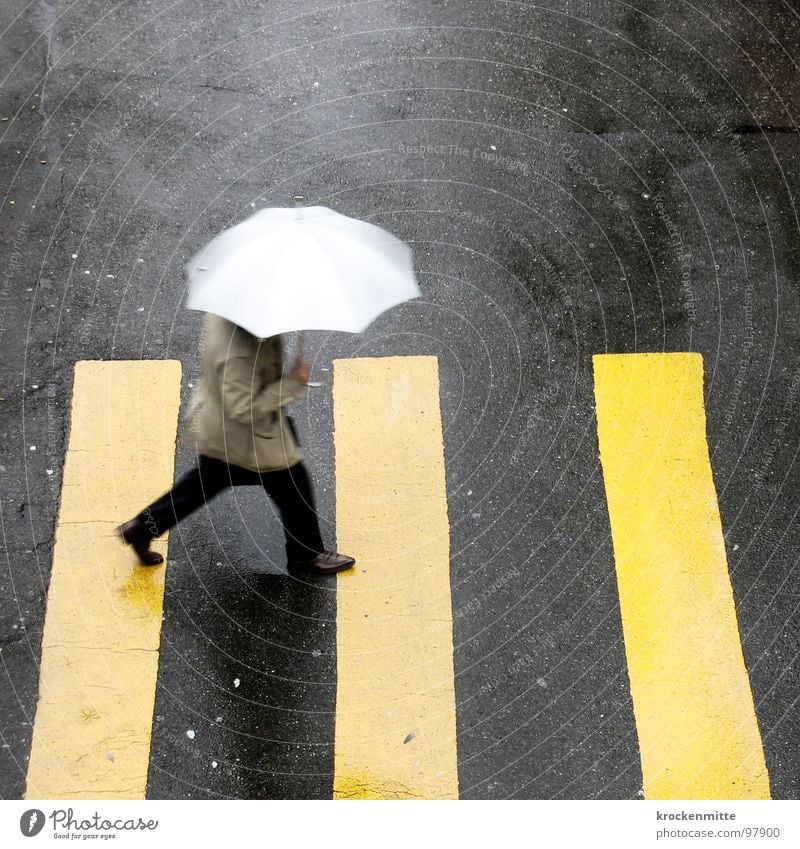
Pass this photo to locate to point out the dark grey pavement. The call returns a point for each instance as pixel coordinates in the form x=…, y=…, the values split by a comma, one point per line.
x=575, y=177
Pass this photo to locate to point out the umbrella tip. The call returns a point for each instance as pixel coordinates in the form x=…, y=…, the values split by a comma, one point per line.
x=298, y=200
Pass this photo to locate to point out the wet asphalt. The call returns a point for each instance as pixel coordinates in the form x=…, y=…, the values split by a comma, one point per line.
x=575, y=178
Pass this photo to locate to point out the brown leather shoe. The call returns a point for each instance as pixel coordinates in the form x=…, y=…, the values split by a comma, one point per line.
x=136, y=535
x=326, y=563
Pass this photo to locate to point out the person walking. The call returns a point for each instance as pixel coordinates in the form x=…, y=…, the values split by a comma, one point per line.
x=237, y=424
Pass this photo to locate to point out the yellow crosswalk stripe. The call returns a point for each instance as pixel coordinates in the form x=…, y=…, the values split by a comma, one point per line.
x=697, y=727
x=395, y=711
x=395, y=706
x=91, y=736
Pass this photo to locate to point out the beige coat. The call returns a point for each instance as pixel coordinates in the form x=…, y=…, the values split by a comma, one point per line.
x=236, y=412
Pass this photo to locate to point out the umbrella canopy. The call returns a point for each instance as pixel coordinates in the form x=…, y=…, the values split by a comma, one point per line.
x=307, y=268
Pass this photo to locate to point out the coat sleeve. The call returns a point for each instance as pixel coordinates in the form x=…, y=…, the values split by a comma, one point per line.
x=244, y=403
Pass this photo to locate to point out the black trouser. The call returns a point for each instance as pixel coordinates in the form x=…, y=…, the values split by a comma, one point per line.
x=290, y=489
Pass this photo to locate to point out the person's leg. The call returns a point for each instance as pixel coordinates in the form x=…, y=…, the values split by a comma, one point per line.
x=291, y=491
x=197, y=486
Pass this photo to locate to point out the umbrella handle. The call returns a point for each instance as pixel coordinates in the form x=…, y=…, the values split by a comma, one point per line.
x=300, y=355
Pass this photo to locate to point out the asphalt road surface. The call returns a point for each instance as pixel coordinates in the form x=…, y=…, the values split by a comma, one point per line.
x=576, y=177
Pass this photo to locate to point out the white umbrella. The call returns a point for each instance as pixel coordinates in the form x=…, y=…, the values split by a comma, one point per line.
x=306, y=268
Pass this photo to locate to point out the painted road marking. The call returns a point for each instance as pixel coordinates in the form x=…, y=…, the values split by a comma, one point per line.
x=97, y=681
x=697, y=727
x=395, y=704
